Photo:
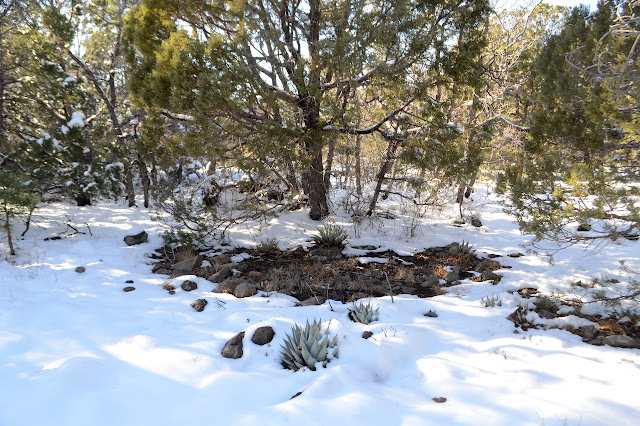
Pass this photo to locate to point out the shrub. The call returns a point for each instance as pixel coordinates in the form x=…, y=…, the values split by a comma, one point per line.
x=308, y=346
x=364, y=313
x=268, y=245
x=461, y=249
x=330, y=236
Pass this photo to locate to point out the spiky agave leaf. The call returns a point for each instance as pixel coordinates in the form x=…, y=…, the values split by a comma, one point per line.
x=306, y=347
x=364, y=313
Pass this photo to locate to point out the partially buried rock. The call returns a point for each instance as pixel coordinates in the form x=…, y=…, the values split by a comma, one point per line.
x=80, y=269
x=187, y=266
x=199, y=305
x=431, y=314
x=367, y=334
x=139, y=238
x=244, y=289
x=263, y=335
x=128, y=289
x=233, y=348
x=431, y=281
x=440, y=399
x=189, y=285
x=488, y=275
x=221, y=275
x=129, y=281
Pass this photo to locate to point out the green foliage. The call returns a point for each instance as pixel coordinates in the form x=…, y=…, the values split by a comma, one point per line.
x=330, y=236
x=269, y=245
x=308, y=346
x=16, y=199
x=364, y=313
x=461, y=249
x=571, y=171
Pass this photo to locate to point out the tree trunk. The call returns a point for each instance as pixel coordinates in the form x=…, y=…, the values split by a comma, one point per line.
x=319, y=208
x=7, y=229
x=358, y=167
x=83, y=199
x=327, y=172
x=128, y=184
x=386, y=166
x=291, y=179
x=144, y=174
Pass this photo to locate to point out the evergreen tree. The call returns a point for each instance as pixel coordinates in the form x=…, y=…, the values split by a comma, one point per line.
x=570, y=151
x=281, y=76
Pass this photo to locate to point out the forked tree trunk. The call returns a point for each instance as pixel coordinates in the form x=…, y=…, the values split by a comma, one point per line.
x=384, y=169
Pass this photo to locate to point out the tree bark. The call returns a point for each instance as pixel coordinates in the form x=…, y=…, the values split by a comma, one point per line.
x=327, y=172
x=128, y=184
x=144, y=174
x=386, y=166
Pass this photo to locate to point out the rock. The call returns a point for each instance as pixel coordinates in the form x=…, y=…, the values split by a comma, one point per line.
x=133, y=240
x=172, y=292
x=298, y=250
x=254, y=276
x=516, y=254
x=128, y=282
x=189, y=285
x=493, y=255
x=618, y=341
x=458, y=222
x=128, y=289
x=367, y=334
x=233, y=348
x=454, y=275
x=475, y=221
x=431, y=314
x=199, y=304
x=80, y=269
x=488, y=275
x=584, y=227
x=159, y=266
x=440, y=399
x=487, y=264
x=221, y=260
x=519, y=318
x=221, y=275
x=244, y=289
x=527, y=292
x=379, y=290
x=588, y=332
x=431, y=281
x=228, y=285
x=312, y=301
x=263, y=335
x=187, y=266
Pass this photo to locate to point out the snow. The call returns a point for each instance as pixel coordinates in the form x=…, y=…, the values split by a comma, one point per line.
x=77, y=120
x=365, y=260
x=77, y=350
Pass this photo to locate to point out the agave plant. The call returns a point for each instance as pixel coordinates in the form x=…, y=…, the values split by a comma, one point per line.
x=460, y=249
x=308, y=346
x=330, y=235
x=364, y=313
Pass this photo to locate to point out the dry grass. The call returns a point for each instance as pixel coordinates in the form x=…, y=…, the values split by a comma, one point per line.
x=168, y=286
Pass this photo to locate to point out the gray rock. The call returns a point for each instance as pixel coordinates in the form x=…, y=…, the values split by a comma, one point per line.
x=189, y=285
x=129, y=282
x=325, y=254
x=128, y=289
x=159, y=266
x=187, y=266
x=220, y=260
x=255, y=276
x=313, y=301
x=431, y=281
x=80, y=269
x=431, y=314
x=132, y=240
x=488, y=275
x=487, y=264
x=263, y=335
x=244, y=289
x=475, y=221
x=588, y=332
x=367, y=334
x=515, y=255
x=221, y=275
x=233, y=348
x=454, y=275
x=584, y=227
x=228, y=285
x=199, y=305
x=621, y=341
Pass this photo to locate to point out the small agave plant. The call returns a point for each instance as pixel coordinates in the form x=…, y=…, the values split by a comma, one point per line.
x=364, y=313
x=305, y=347
x=460, y=249
x=330, y=236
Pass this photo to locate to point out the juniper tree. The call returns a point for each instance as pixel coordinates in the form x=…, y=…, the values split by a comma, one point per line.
x=571, y=172
x=281, y=75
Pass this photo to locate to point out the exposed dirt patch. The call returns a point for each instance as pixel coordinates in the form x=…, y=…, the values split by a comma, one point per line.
x=317, y=274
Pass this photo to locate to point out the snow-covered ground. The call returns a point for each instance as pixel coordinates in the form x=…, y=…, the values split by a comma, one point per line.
x=77, y=350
